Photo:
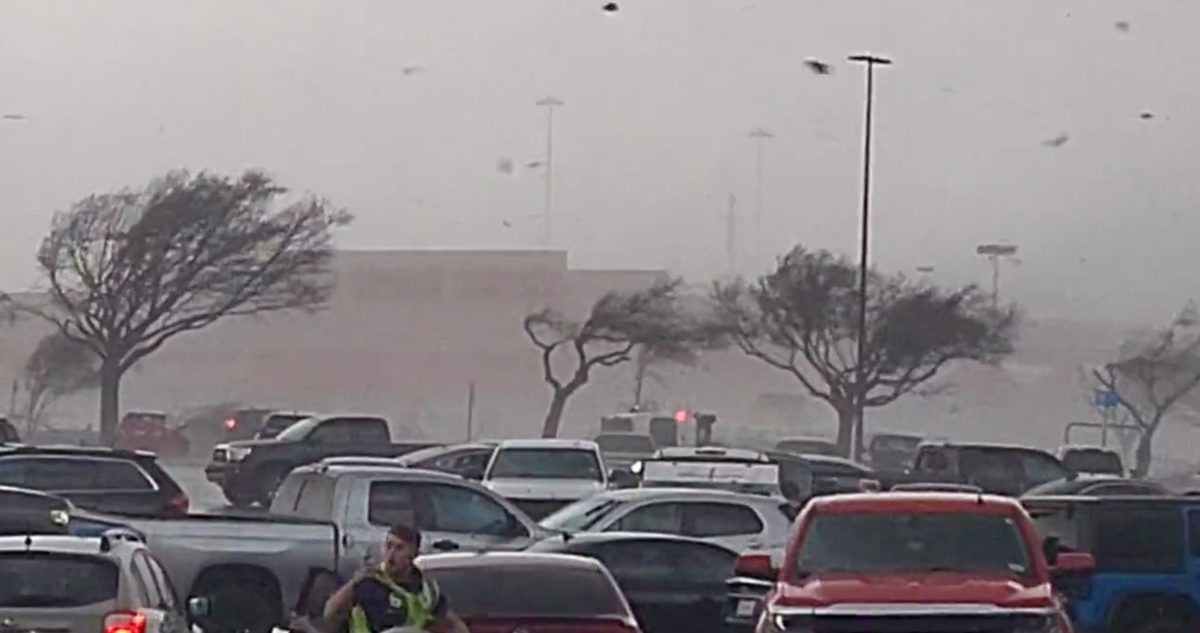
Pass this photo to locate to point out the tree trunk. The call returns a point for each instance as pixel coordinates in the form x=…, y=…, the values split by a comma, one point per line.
x=858, y=433
x=557, y=404
x=846, y=421
x=639, y=380
x=1141, y=464
x=110, y=401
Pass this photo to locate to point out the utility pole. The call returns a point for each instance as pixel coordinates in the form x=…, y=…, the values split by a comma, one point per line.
x=549, y=102
x=731, y=235
x=995, y=253
x=760, y=136
x=860, y=374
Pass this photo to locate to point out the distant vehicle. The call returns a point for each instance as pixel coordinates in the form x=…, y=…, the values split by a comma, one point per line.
x=1102, y=486
x=836, y=475
x=893, y=452
x=1091, y=460
x=69, y=584
x=1146, y=556
x=533, y=592
x=150, y=431
x=278, y=421
x=364, y=501
x=673, y=583
x=733, y=469
x=248, y=471
x=8, y=432
x=807, y=446
x=101, y=479
x=666, y=428
x=243, y=424
x=735, y=521
x=908, y=561
x=543, y=475
x=465, y=460
x=995, y=468
x=621, y=450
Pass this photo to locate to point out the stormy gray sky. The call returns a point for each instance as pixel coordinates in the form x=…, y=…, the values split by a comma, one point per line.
x=401, y=111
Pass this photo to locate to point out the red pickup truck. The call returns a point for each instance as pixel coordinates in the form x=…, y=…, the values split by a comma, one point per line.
x=912, y=562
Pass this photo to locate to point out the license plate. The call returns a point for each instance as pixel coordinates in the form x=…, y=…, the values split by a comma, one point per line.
x=745, y=608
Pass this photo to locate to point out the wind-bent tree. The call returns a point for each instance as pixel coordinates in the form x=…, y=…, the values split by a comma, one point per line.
x=127, y=271
x=619, y=322
x=802, y=318
x=58, y=367
x=1150, y=377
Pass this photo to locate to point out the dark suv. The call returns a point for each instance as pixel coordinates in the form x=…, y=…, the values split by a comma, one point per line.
x=100, y=479
x=994, y=468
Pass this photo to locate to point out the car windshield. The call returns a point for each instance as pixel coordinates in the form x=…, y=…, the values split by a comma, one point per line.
x=298, y=430
x=546, y=463
x=1093, y=461
x=276, y=424
x=626, y=443
x=531, y=592
x=40, y=580
x=581, y=515
x=924, y=542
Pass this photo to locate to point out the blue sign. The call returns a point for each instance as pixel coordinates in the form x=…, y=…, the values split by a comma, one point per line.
x=1106, y=399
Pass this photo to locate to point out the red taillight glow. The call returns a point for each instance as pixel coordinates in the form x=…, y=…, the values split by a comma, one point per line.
x=180, y=503
x=125, y=622
x=230, y=424
x=681, y=416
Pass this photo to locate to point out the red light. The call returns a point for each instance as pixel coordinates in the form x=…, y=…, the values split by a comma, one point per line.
x=230, y=424
x=125, y=622
x=681, y=416
x=180, y=503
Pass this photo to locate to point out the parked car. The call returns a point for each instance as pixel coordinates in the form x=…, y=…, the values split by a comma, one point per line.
x=102, y=479
x=243, y=424
x=673, y=583
x=807, y=446
x=735, y=521
x=8, y=432
x=150, y=431
x=277, y=422
x=996, y=468
x=364, y=501
x=1101, y=486
x=36, y=512
x=1146, y=556
x=908, y=561
x=892, y=452
x=621, y=450
x=1091, y=460
x=537, y=593
x=70, y=584
x=466, y=460
x=543, y=475
x=248, y=471
x=836, y=475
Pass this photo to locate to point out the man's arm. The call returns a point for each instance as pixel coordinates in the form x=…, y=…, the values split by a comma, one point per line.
x=337, y=607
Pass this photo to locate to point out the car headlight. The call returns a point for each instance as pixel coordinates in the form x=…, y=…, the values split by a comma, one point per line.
x=238, y=453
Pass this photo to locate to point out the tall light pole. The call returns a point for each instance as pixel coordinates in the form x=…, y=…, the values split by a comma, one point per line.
x=994, y=253
x=871, y=62
x=760, y=136
x=549, y=102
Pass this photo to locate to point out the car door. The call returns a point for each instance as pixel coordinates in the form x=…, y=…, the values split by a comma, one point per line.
x=175, y=619
x=148, y=595
x=732, y=525
x=645, y=573
x=472, y=520
x=336, y=436
x=700, y=571
x=655, y=517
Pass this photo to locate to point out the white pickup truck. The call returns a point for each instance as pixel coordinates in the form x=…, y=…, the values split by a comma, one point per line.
x=541, y=476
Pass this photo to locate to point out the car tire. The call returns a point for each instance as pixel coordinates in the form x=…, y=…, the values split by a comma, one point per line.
x=243, y=601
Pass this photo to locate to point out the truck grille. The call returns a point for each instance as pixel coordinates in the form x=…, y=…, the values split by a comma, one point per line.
x=538, y=509
x=915, y=624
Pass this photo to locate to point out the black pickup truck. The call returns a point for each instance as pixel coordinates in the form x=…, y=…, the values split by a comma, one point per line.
x=248, y=471
x=993, y=468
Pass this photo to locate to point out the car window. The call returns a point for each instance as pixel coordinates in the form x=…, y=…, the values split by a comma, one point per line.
x=44, y=580
x=165, y=586
x=1123, y=488
x=143, y=580
x=335, y=432
x=705, y=520
x=315, y=499
x=838, y=470
x=546, y=463
x=1061, y=522
x=392, y=502
x=73, y=474
x=1039, y=469
x=287, y=496
x=458, y=509
x=658, y=518
x=1140, y=539
x=933, y=461
x=701, y=563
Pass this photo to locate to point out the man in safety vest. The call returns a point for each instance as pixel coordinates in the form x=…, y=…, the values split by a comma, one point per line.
x=392, y=594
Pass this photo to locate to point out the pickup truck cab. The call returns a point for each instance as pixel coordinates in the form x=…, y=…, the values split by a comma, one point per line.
x=363, y=501
x=248, y=471
x=995, y=468
x=912, y=562
x=542, y=475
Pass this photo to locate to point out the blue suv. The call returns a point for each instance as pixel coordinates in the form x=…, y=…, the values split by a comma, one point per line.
x=1147, y=551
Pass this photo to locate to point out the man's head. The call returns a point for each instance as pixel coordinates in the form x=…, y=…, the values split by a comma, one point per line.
x=400, y=547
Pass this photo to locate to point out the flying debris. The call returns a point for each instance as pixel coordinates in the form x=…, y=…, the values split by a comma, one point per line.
x=611, y=7
x=506, y=223
x=410, y=70
x=1122, y=26
x=1146, y=116
x=534, y=164
x=1057, y=141
x=504, y=165
x=817, y=66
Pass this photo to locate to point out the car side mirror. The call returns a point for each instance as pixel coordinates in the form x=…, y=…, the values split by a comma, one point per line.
x=1051, y=547
x=755, y=565
x=199, y=607
x=1074, y=563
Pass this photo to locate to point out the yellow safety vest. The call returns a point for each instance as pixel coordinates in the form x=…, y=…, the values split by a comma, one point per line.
x=418, y=607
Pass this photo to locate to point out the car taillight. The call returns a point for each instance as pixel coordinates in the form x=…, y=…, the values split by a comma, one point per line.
x=125, y=622
x=230, y=424
x=180, y=503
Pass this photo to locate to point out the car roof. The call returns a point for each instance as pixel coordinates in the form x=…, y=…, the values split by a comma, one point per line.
x=29, y=492
x=548, y=443
x=832, y=459
x=655, y=493
x=1090, y=448
x=397, y=471
x=1114, y=499
x=983, y=446
x=919, y=502
x=715, y=452
x=476, y=560
x=74, y=451
x=611, y=537
x=66, y=544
